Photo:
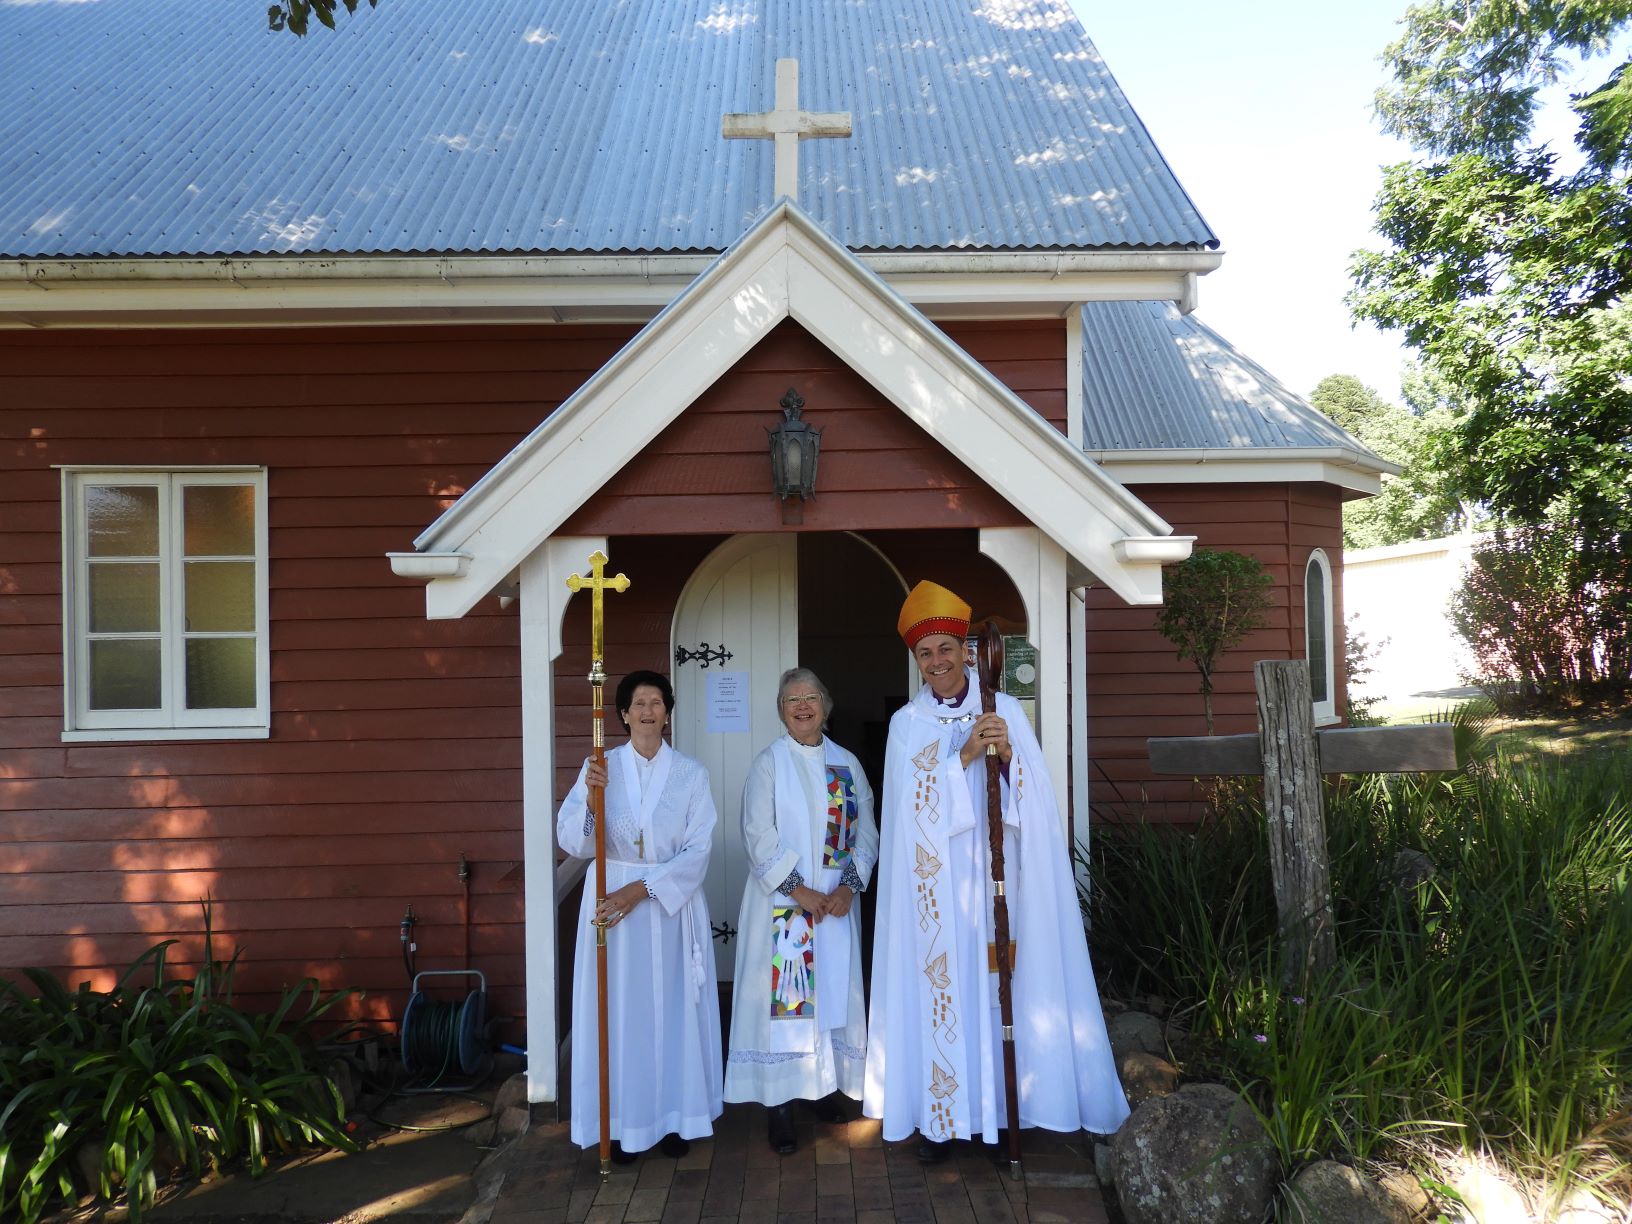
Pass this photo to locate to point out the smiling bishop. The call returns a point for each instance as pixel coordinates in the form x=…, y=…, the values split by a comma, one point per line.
x=934, y=1035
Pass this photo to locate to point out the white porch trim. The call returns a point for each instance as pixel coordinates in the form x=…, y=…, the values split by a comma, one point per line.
x=787, y=267
x=543, y=605
x=1036, y=566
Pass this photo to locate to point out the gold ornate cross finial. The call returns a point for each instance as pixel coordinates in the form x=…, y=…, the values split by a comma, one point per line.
x=596, y=584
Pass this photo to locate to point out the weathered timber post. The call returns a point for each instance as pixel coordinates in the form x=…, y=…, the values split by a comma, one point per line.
x=1292, y=756
x=1296, y=814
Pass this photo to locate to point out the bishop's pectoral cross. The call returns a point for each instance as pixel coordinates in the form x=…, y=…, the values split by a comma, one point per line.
x=640, y=843
x=788, y=125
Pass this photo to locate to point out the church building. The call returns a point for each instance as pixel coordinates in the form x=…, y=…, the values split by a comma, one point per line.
x=325, y=362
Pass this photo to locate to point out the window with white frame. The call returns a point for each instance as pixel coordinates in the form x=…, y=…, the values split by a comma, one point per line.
x=1317, y=635
x=164, y=594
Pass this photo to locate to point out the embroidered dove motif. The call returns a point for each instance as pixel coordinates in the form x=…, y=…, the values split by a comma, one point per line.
x=929, y=758
x=943, y=1085
x=928, y=864
x=935, y=971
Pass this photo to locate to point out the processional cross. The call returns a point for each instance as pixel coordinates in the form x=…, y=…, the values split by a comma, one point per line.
x=1291, y=756
x=597, y=584
x=788, y=125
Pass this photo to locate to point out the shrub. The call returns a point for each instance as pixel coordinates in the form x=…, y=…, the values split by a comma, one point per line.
x=1488, y=1003
x=137, y=1076
x=1210, y=602
x=1549, y=621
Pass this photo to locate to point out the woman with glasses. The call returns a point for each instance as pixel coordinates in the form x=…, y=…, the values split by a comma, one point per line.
x=798, y=1020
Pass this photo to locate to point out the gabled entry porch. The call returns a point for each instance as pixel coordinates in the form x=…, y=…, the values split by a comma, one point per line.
x=935, y=468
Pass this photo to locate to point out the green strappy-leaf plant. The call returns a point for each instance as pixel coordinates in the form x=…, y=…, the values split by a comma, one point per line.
x=159, y=1073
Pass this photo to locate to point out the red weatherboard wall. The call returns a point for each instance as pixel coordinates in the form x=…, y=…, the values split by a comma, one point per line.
x=395, y=743
x=710, y=472
x=1137, y=689
x=395, y=740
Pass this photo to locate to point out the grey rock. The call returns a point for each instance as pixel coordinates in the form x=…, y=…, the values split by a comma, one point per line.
x=511, y=1117
x=1407, y=1193
x=1136, y=1030
x=1200, y=1156
x=1330, y=1193
x=511, y=1124
x=1146, y=1075
x=1410, y=868
x=1104, y=1165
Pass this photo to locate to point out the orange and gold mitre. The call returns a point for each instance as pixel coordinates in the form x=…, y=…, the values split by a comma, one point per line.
x=931, y=608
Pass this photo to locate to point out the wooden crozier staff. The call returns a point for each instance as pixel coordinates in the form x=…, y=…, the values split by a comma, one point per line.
x=989, y=663
x=597, y=583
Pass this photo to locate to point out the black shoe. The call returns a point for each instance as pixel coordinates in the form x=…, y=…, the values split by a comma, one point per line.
x=779, y=1130
x=619, y=1156
x=828, y=1109
x=674, y=1147
x=930, y=1152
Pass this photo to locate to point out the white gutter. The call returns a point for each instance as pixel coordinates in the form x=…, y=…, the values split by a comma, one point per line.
x=48, y=273
x=1337, y=456
x=429, y=565
x=227, y=292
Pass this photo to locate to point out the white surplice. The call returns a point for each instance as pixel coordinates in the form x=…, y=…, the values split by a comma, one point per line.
x=664, y=1007
x=934, y=1039
x=784, y=827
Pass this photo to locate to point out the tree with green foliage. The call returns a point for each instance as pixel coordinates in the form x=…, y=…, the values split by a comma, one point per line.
x=1424, y=501
x=295, y=15
x=1210, y=602
x=1509, y=263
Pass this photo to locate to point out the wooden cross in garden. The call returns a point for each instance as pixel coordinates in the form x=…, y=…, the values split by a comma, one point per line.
x=788, y=125
x=1291, y=755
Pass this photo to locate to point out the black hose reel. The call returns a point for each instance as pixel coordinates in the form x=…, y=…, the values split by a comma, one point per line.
x=444, y=1042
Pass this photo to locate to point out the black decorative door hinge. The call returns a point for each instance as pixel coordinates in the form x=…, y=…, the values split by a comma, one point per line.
x=724, y=932
x=705, y=653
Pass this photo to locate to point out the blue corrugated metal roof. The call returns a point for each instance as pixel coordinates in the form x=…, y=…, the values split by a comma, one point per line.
x=1155, y=379
x=140, y=128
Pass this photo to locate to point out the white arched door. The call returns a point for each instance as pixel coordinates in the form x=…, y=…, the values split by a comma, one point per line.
x=736, y=630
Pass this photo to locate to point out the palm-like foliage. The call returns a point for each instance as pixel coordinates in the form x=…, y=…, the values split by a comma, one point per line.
x=166, y=1074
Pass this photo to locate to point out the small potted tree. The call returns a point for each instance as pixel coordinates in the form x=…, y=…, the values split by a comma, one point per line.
x=1210, y=602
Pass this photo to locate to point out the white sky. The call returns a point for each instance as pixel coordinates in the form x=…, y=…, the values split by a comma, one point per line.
x=1263, y=110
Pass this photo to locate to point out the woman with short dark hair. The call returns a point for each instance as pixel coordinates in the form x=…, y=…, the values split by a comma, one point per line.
x=664, y=1026
x=798, y=1021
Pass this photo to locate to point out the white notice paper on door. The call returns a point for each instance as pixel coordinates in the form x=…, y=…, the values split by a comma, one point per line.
x=727, y=697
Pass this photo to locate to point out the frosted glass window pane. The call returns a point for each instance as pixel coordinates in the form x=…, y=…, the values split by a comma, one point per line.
x=218, y=520
x=124, y=598
x=1314, y=611
x=125, y=674
x=220, y=596
x=220, y=673
x=122, y=520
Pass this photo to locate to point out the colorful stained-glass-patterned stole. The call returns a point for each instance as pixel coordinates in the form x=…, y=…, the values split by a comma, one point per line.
x=841, y=817
x=793, y=964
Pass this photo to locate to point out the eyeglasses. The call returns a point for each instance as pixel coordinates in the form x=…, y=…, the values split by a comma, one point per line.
x=797, y=699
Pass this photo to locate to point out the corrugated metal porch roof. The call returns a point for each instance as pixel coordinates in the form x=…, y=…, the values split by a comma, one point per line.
x=1155, y=379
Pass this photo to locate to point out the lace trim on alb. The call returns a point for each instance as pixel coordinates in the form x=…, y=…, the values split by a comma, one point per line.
x=841, y=1049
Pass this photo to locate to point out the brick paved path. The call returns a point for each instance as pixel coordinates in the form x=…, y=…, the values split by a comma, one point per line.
x=841, y=1173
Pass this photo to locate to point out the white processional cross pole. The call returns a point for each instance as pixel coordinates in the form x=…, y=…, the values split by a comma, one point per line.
x=787, y=125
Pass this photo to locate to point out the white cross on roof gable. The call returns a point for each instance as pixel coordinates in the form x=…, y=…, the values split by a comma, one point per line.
x=787, y=125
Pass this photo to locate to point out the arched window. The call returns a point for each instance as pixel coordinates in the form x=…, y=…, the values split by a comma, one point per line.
x=1318, y=639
